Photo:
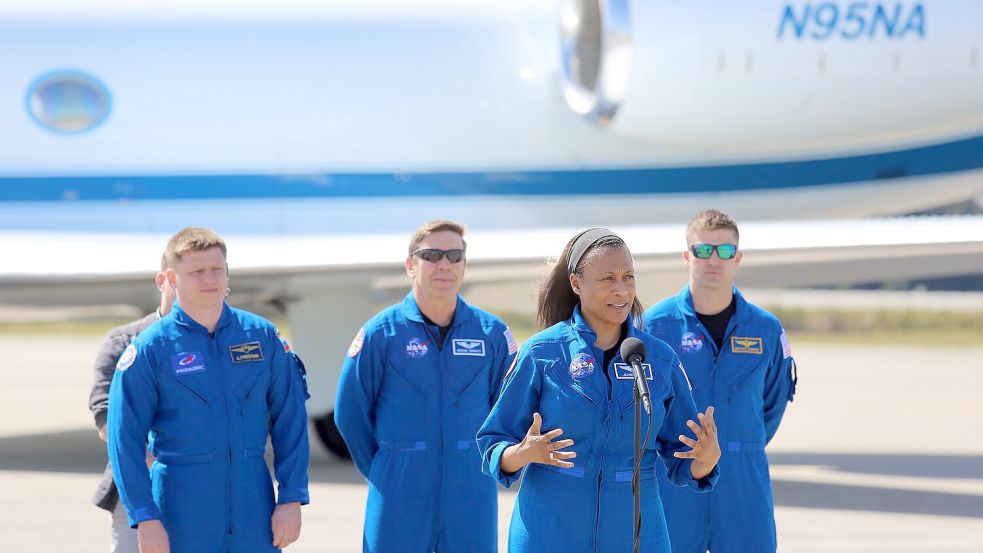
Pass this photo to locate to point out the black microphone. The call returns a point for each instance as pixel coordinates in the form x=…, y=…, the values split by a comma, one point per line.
x=633, y=352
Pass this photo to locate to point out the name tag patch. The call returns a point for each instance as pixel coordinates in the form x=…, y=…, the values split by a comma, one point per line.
x=746, y=345
x=244, y=353
x=622, y=371
x=475, y=348
x=187, y=362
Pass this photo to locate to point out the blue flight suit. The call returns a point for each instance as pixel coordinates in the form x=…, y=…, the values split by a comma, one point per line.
x=408, y=408
x=749, y=383
x=589, y=507
x=207, y=404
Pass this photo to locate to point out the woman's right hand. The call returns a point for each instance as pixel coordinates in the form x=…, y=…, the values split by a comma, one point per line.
x=538, y=448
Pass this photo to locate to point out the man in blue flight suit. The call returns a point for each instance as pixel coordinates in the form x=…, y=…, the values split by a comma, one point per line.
x=419, y=379
x=207, y=384
x=739, y=360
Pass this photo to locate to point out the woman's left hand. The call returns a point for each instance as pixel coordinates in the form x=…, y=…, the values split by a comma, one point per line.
x=706, y=449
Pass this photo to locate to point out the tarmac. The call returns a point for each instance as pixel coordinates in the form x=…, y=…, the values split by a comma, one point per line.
x=881, y=451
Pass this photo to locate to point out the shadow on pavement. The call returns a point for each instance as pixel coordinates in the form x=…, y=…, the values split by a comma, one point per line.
x=80, y=451
x=819, y=495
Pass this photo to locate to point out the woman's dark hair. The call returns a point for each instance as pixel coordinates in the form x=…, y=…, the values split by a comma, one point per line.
x=556, y=297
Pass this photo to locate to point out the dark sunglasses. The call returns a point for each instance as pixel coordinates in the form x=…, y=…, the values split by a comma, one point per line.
x=434, y=255
x=704, y=251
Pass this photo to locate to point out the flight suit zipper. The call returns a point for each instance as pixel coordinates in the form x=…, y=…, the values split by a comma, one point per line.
x=731, y=329
x=442, y=452
x=600, y=472
x=600, y=476
x=216, y=354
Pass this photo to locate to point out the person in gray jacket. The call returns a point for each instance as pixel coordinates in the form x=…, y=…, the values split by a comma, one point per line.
x=123, y=538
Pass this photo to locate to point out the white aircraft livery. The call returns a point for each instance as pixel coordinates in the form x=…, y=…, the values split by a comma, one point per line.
x=316, y=136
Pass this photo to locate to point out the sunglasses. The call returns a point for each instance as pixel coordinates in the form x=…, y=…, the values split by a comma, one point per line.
x=704, y=251
x=434, y=255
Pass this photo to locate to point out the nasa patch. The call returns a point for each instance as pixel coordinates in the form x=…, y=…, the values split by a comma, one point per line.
x=417, y=348
x=581, y=366
x=691, y=342
x=187, y=362
x=356, y=345
x=127, y=358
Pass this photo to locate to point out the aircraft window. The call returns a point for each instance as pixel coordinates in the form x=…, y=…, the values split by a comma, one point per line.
x=68, y=102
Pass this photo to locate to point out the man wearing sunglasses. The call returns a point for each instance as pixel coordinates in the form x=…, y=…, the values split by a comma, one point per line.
x=738, y=359
x=419, y=379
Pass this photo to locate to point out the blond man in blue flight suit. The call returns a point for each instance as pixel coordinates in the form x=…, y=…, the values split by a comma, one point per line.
x=738, y=359
x=207, y=384
x=418, y=381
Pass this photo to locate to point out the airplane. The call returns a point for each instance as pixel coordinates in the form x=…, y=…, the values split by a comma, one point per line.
x=316, y=136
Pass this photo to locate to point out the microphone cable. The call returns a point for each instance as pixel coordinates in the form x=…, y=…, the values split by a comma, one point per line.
x=636, y=481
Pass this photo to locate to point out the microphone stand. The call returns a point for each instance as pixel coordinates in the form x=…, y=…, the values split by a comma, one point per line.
x=636, y=491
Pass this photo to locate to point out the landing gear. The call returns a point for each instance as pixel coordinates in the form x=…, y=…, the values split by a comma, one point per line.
x=330, y=437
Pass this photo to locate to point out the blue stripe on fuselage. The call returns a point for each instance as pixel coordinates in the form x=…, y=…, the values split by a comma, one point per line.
x=949, y=157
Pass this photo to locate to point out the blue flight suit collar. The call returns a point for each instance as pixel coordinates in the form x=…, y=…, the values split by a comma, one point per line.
x=580, y=324
x=412, y=312
x=600, y=388
x=742, y=313
x=684, y=303
x=182, y=318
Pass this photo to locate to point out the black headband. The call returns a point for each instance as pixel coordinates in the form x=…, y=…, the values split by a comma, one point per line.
x=582, y=243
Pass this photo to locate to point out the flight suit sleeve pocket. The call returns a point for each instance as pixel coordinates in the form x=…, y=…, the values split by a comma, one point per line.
x=794, y=375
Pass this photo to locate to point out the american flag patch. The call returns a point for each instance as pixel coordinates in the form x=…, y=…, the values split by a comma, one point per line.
x=786, y=347
x=510, y=341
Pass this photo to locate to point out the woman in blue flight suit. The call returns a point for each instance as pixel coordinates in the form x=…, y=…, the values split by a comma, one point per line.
x=571, y=378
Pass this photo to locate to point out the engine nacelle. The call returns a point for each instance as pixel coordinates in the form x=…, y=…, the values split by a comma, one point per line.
x=773, y=77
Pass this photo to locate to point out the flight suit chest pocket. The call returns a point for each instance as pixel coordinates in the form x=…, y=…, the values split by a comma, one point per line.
x=465, y=375
x=740, y=372
x=184, y=403
x=251, y=380
x=185, y=390
x=251, y=391
x=565, y=394
x=401, y=409
x=404, y=376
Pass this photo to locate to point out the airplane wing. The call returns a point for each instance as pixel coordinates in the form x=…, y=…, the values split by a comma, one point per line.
x=85, y=268
x=328, y=285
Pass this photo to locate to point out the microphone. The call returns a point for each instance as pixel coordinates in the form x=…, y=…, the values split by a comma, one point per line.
x=633, y=352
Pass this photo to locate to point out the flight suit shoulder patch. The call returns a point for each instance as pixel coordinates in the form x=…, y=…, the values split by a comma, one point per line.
x=127, y=358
